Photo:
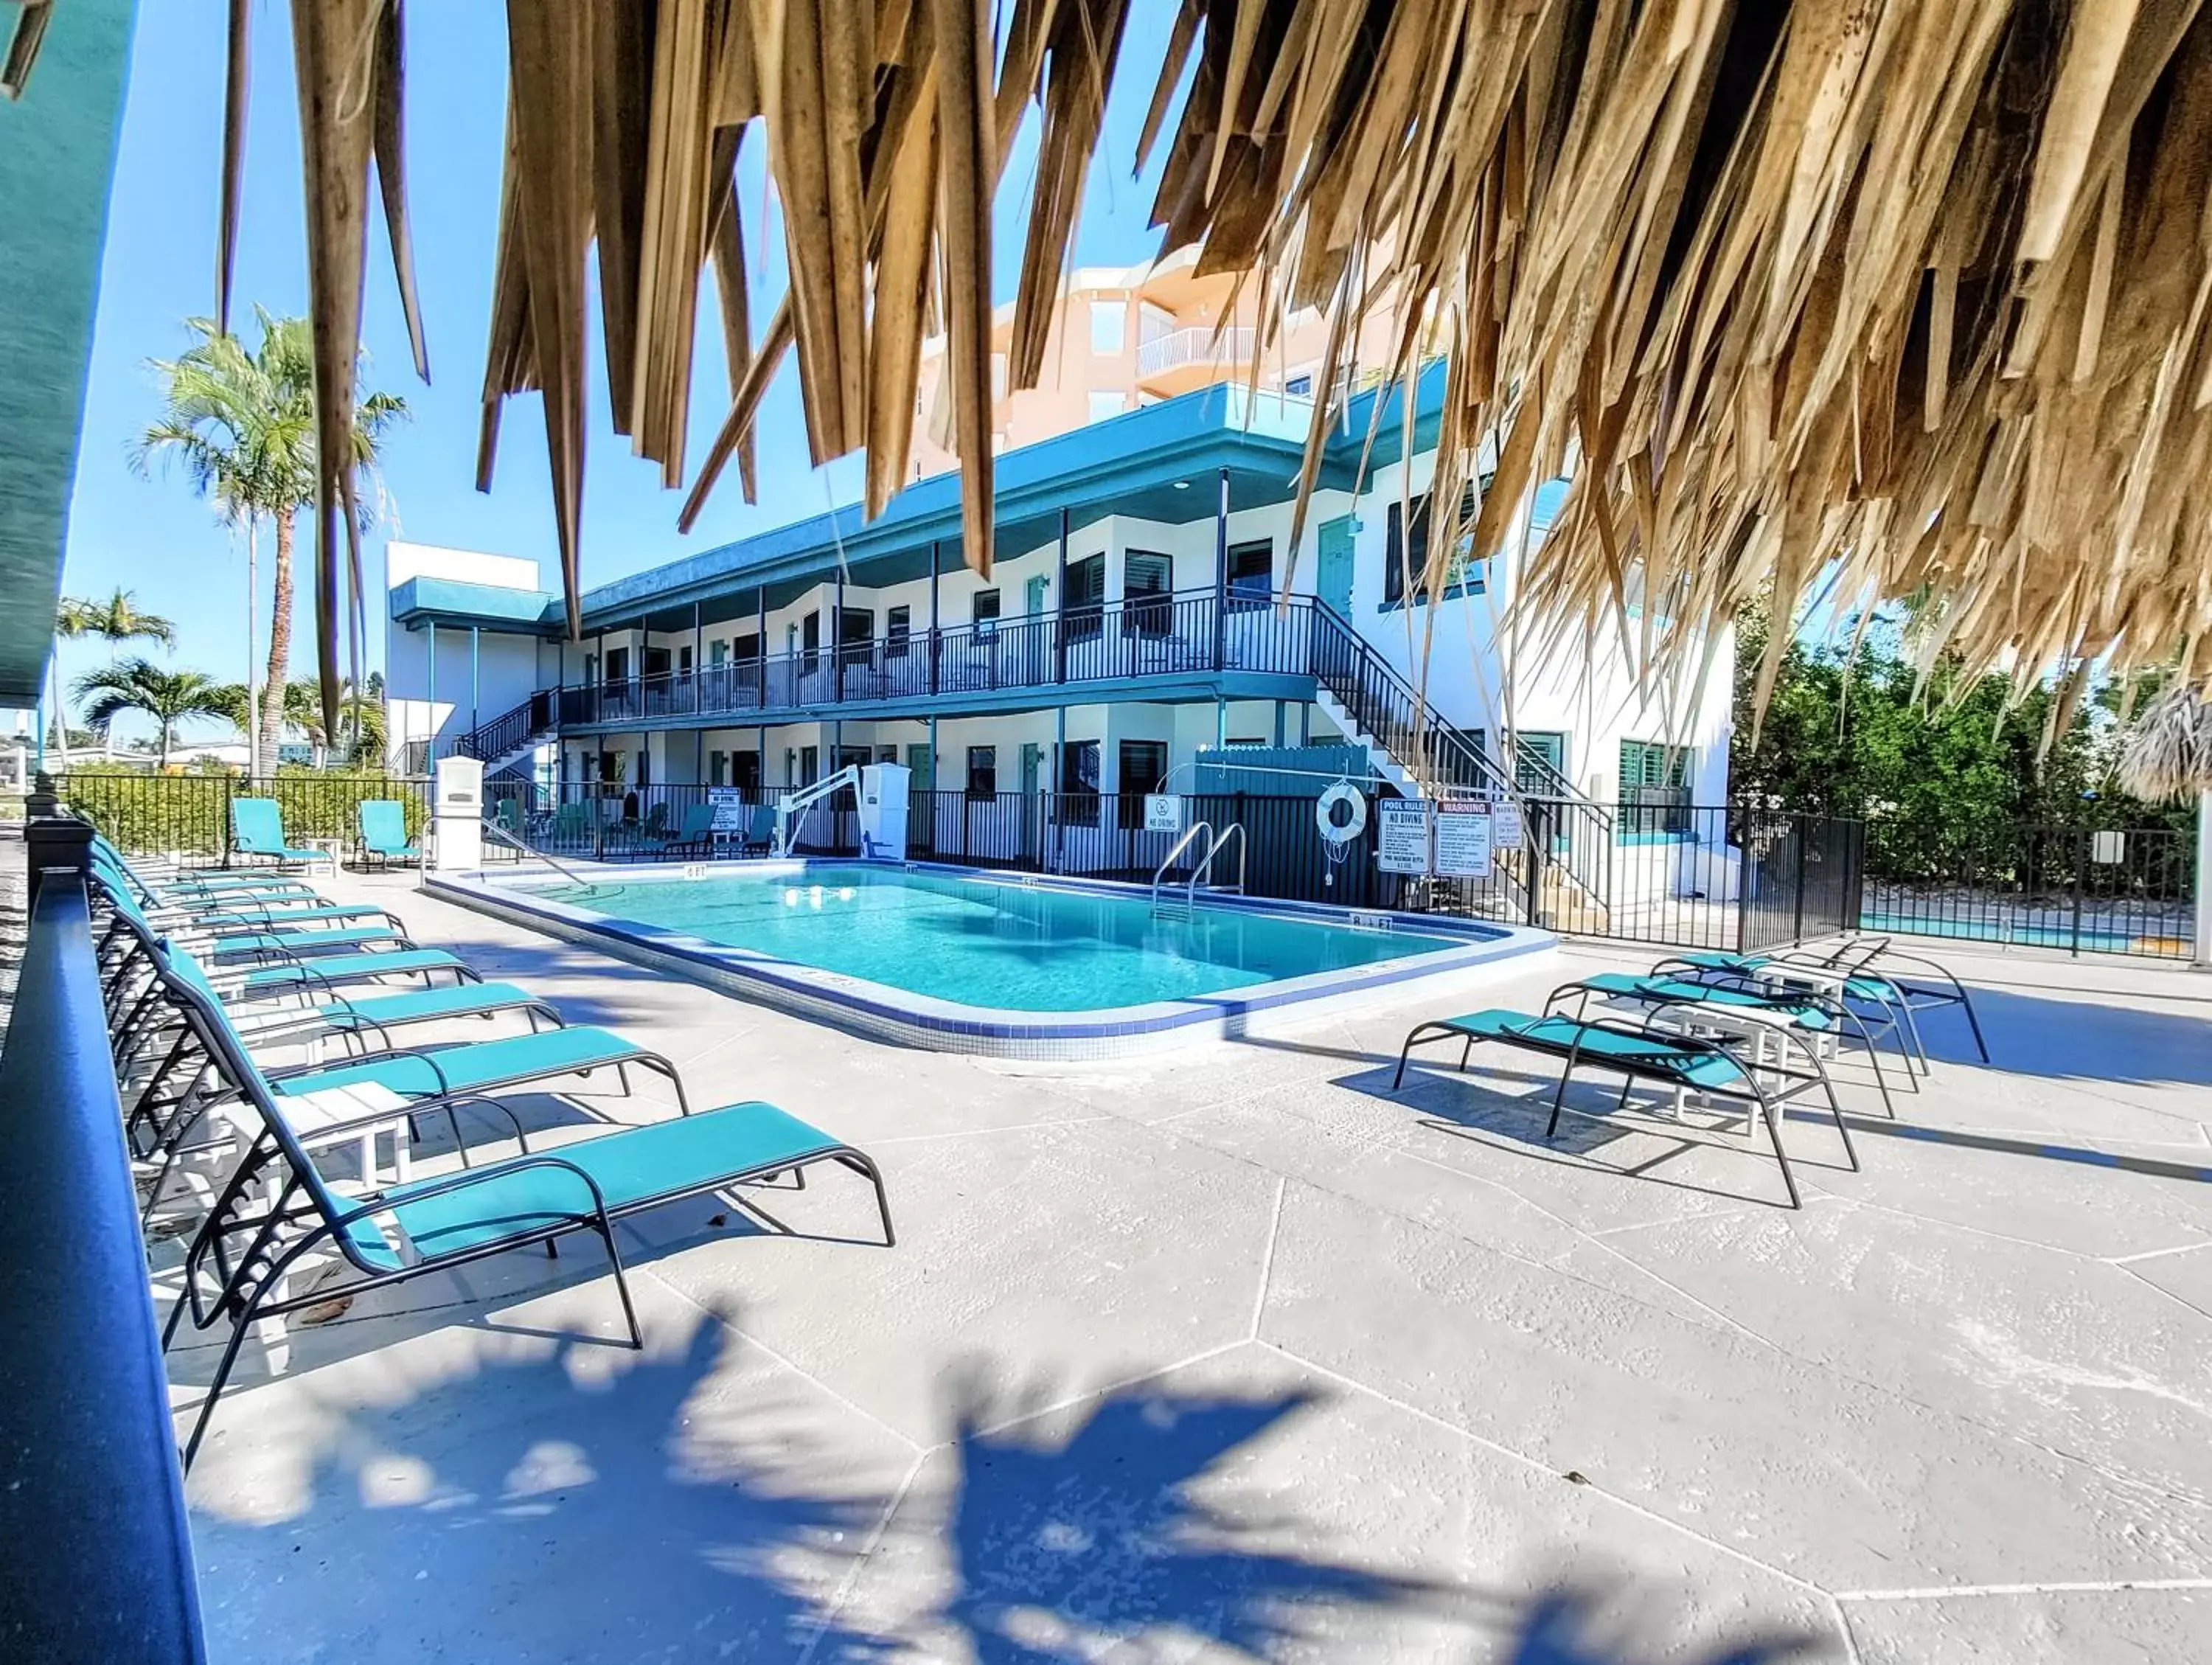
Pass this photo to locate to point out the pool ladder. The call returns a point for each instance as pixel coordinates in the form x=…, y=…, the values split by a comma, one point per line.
x=1200, y=869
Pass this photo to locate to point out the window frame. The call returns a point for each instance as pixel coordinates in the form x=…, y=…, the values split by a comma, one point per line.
x=1131, y=799
x=1079, y=799
x=1118, y=311
x=1245, y=600
x=988, y=758
x=1472, y=577
x=898, y=630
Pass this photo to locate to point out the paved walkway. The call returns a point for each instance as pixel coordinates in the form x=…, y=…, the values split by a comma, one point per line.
x=1236, y=1354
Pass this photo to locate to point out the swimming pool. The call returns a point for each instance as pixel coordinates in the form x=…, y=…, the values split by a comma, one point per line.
x=980, y=962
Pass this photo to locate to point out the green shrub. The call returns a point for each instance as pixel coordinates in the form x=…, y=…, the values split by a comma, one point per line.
x=142, y=813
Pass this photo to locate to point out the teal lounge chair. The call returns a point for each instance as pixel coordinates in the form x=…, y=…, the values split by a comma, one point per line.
x=695, y=833
x=1636, y=1054
x=384, y=832
x=256, y=828
x=207, y=884
x=246, y=910
x=1808, y=1013
x=760, y=830
x=235, y=1272
x=1870, y=972
x=428, y=1081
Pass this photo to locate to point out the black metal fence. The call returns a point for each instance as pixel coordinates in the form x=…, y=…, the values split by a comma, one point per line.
x=2122, y=891
x=1718, y=877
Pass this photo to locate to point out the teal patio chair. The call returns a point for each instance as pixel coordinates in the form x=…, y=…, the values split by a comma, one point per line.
x=384, y=832
x=696, y=832
x=256, y=828
x=236, y=1270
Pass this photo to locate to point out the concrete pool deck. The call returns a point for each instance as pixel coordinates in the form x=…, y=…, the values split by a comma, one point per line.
x=1231, y=1353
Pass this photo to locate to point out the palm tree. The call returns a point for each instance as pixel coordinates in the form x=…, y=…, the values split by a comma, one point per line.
x=116, y=619
x=139, y=685
x=68, y=624
x=243, y=426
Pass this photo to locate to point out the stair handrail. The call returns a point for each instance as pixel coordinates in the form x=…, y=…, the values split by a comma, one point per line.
x=513, y=727
x=1234, y=830
x=1368, y=662
x=1180, y=844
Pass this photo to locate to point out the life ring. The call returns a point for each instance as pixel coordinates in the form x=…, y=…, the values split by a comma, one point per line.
x=1346, y=831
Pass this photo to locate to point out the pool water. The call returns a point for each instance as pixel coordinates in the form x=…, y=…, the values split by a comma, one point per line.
x=982, y=943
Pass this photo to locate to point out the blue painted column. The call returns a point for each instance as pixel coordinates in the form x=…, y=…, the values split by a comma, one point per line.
x=1221, y=572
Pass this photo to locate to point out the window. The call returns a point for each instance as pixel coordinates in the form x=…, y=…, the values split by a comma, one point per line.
x=684, y=663
x=1079, y=783
x=851, y=758
x=1086, y=599
x=887, y=754
x=718, y=767
x=1655, y=788
x=1107, y=402
x=1110, y=327
x=744, y=649
x=809, y=765
x=1299, y=387
x=1143, y=767
x=899, y=625
x=718, y=655
x=983, y=610
x=1251, y=573
x=1147, y=610
x=810, y=638
x=856, y=636
x=618, y=664
x=745, y=772
x=982, y=771
x=1542, y=766
x=1463, y=577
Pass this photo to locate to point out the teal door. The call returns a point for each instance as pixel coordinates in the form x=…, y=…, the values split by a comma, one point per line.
x=1332, y=572
x=919, y=762
x=1033, y=597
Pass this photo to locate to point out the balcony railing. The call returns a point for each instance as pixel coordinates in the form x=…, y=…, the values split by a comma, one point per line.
x=1195, y=343
x=1152, y=636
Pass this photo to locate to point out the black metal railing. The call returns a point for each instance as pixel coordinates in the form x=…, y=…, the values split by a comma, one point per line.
x=511, y=731
x=95, y=1562
x=189, y=815
x=2083, y=890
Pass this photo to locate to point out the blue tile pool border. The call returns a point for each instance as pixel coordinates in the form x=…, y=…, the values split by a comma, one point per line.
x=881, y=1012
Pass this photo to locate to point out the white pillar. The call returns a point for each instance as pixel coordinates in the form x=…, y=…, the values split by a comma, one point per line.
x=457, y=806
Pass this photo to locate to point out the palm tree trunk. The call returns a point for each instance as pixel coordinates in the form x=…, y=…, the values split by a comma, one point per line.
x=252, y=671
x=165, y=746
x=60, y=713
x=280, y=646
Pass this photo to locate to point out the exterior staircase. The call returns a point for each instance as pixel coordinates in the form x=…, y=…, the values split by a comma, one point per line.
x=512, y=735
x=1563, y=871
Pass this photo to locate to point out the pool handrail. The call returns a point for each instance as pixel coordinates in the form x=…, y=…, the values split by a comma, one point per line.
x=1159, y=873
x=1234, y=830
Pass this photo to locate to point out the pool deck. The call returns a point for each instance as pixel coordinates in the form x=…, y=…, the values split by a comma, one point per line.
x=1232, y=1353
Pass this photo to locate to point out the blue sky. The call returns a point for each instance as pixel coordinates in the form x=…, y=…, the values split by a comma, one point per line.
x=155, y=537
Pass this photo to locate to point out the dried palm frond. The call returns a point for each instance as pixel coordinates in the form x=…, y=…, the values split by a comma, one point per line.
x=1893, y=296
x=2167, y=753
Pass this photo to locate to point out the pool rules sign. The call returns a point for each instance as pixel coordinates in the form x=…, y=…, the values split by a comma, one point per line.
x=1401, y=836
x=1464, y=838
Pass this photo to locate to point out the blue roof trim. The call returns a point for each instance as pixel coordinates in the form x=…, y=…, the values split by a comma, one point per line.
x=436, y=600
x=1213, y=428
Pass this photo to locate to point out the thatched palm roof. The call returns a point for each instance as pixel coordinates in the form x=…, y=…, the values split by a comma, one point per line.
x=1918, y=289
